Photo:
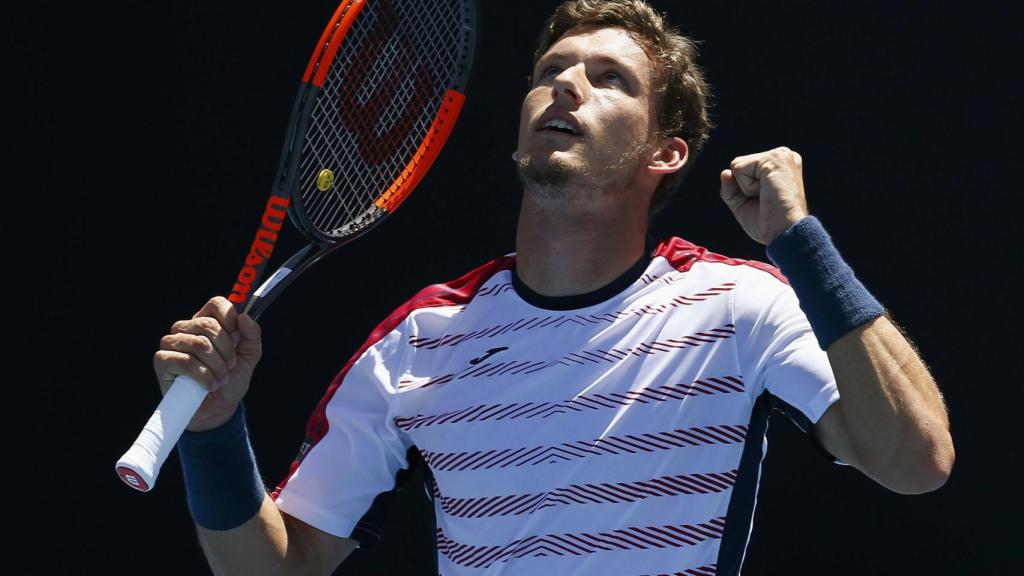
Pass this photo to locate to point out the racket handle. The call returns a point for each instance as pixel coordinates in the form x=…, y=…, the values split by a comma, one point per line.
x=141, y=464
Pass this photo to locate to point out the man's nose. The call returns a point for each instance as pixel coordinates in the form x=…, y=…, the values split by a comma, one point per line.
x=571, y=86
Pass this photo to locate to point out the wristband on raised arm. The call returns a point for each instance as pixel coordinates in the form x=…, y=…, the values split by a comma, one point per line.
x=832, y=298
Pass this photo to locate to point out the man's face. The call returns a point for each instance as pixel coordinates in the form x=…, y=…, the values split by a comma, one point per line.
x=587, y=120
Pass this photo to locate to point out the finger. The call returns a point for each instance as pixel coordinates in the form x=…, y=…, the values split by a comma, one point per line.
x=730, y=191
x=731, y=195
x=746, y=170
x=747, y=165
x=796, y=159
x=750, y=186
x=200, y=348
x=210, y=328
x=222, y=310
x=170, y=364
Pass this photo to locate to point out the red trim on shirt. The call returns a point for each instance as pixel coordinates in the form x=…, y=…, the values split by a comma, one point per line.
x=682, y=255
x=454, y=293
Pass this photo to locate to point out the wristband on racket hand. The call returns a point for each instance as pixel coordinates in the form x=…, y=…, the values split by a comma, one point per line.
x=222, y=482
x=834, y=301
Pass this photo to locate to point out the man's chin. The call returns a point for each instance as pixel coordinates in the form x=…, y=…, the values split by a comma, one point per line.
x=548, y=172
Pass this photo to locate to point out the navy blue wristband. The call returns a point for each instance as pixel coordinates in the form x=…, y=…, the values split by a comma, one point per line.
x=834, y=301
x=222, y=482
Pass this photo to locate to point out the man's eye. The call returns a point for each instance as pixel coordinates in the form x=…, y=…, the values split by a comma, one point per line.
x=612, y=78
x=550, y=72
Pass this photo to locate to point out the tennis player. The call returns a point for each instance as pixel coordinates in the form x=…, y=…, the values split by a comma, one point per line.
x=596, y=402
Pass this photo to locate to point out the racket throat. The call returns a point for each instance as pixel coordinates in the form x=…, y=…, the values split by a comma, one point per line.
x=263, y=296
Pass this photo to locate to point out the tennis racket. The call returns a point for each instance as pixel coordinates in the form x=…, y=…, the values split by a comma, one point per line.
x=376, y=105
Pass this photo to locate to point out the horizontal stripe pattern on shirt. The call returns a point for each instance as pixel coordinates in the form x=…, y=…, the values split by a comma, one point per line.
x=609, y=445
x=598, y=493
x=512, y=411
x=557, y=321
x=576, y=544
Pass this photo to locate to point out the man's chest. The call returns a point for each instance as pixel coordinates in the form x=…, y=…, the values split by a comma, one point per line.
x=519, y=386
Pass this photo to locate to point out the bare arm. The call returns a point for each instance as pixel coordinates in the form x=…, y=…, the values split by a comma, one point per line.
x=891, y=422
x=273, y=542
x=220, y=349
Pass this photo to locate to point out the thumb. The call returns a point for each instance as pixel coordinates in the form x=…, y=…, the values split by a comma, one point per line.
x=248, y=345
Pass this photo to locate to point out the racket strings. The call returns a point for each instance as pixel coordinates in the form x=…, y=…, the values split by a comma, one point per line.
x=376, y=108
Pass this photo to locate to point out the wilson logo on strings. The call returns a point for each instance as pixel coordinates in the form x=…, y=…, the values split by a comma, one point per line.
x=363, y=115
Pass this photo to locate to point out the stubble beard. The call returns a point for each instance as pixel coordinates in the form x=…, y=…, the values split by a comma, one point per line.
x=562, y=179
x=552, y=178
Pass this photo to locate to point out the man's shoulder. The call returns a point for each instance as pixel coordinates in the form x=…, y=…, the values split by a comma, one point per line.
x=462, y=289
x=453, y=293
x=682, y=255
x=459, y=291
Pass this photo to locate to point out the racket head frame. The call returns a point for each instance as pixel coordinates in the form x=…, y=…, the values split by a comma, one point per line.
x=286, y=189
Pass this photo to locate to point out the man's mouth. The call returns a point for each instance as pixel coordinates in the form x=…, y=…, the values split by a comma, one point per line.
x=559, y=126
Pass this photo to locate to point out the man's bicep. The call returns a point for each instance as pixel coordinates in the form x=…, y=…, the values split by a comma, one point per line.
x=323, y=551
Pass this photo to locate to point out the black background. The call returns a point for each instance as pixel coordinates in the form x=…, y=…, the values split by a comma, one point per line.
x=156, y=142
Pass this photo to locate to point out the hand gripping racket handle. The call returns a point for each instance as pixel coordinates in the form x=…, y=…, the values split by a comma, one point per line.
x=141, y=464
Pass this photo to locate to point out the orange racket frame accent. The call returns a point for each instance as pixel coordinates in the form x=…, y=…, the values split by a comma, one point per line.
x=425, y=155
x=347, y=12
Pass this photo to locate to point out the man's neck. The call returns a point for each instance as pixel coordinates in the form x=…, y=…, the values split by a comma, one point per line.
x=562, y=252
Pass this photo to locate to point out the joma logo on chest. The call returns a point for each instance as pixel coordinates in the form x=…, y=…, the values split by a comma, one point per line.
x=487, y=355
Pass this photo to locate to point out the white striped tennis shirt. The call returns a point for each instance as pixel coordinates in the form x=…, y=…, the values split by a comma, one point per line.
x=621, y=437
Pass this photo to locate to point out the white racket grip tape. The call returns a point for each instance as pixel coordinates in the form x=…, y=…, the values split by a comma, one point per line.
x=141, y=464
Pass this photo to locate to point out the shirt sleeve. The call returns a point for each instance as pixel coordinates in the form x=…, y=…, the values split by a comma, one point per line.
x=354, y=450
x=778, y=350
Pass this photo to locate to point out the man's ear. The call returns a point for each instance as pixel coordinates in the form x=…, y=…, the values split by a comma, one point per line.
x=670, y=157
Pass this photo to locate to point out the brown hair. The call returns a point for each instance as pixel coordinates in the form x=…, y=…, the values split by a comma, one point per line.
x=681, y=92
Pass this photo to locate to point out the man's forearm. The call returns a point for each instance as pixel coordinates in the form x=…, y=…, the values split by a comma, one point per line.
x=272, y=542
x=240, y=527
x=890, y=421
x=893, y=413
x=259, y=546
